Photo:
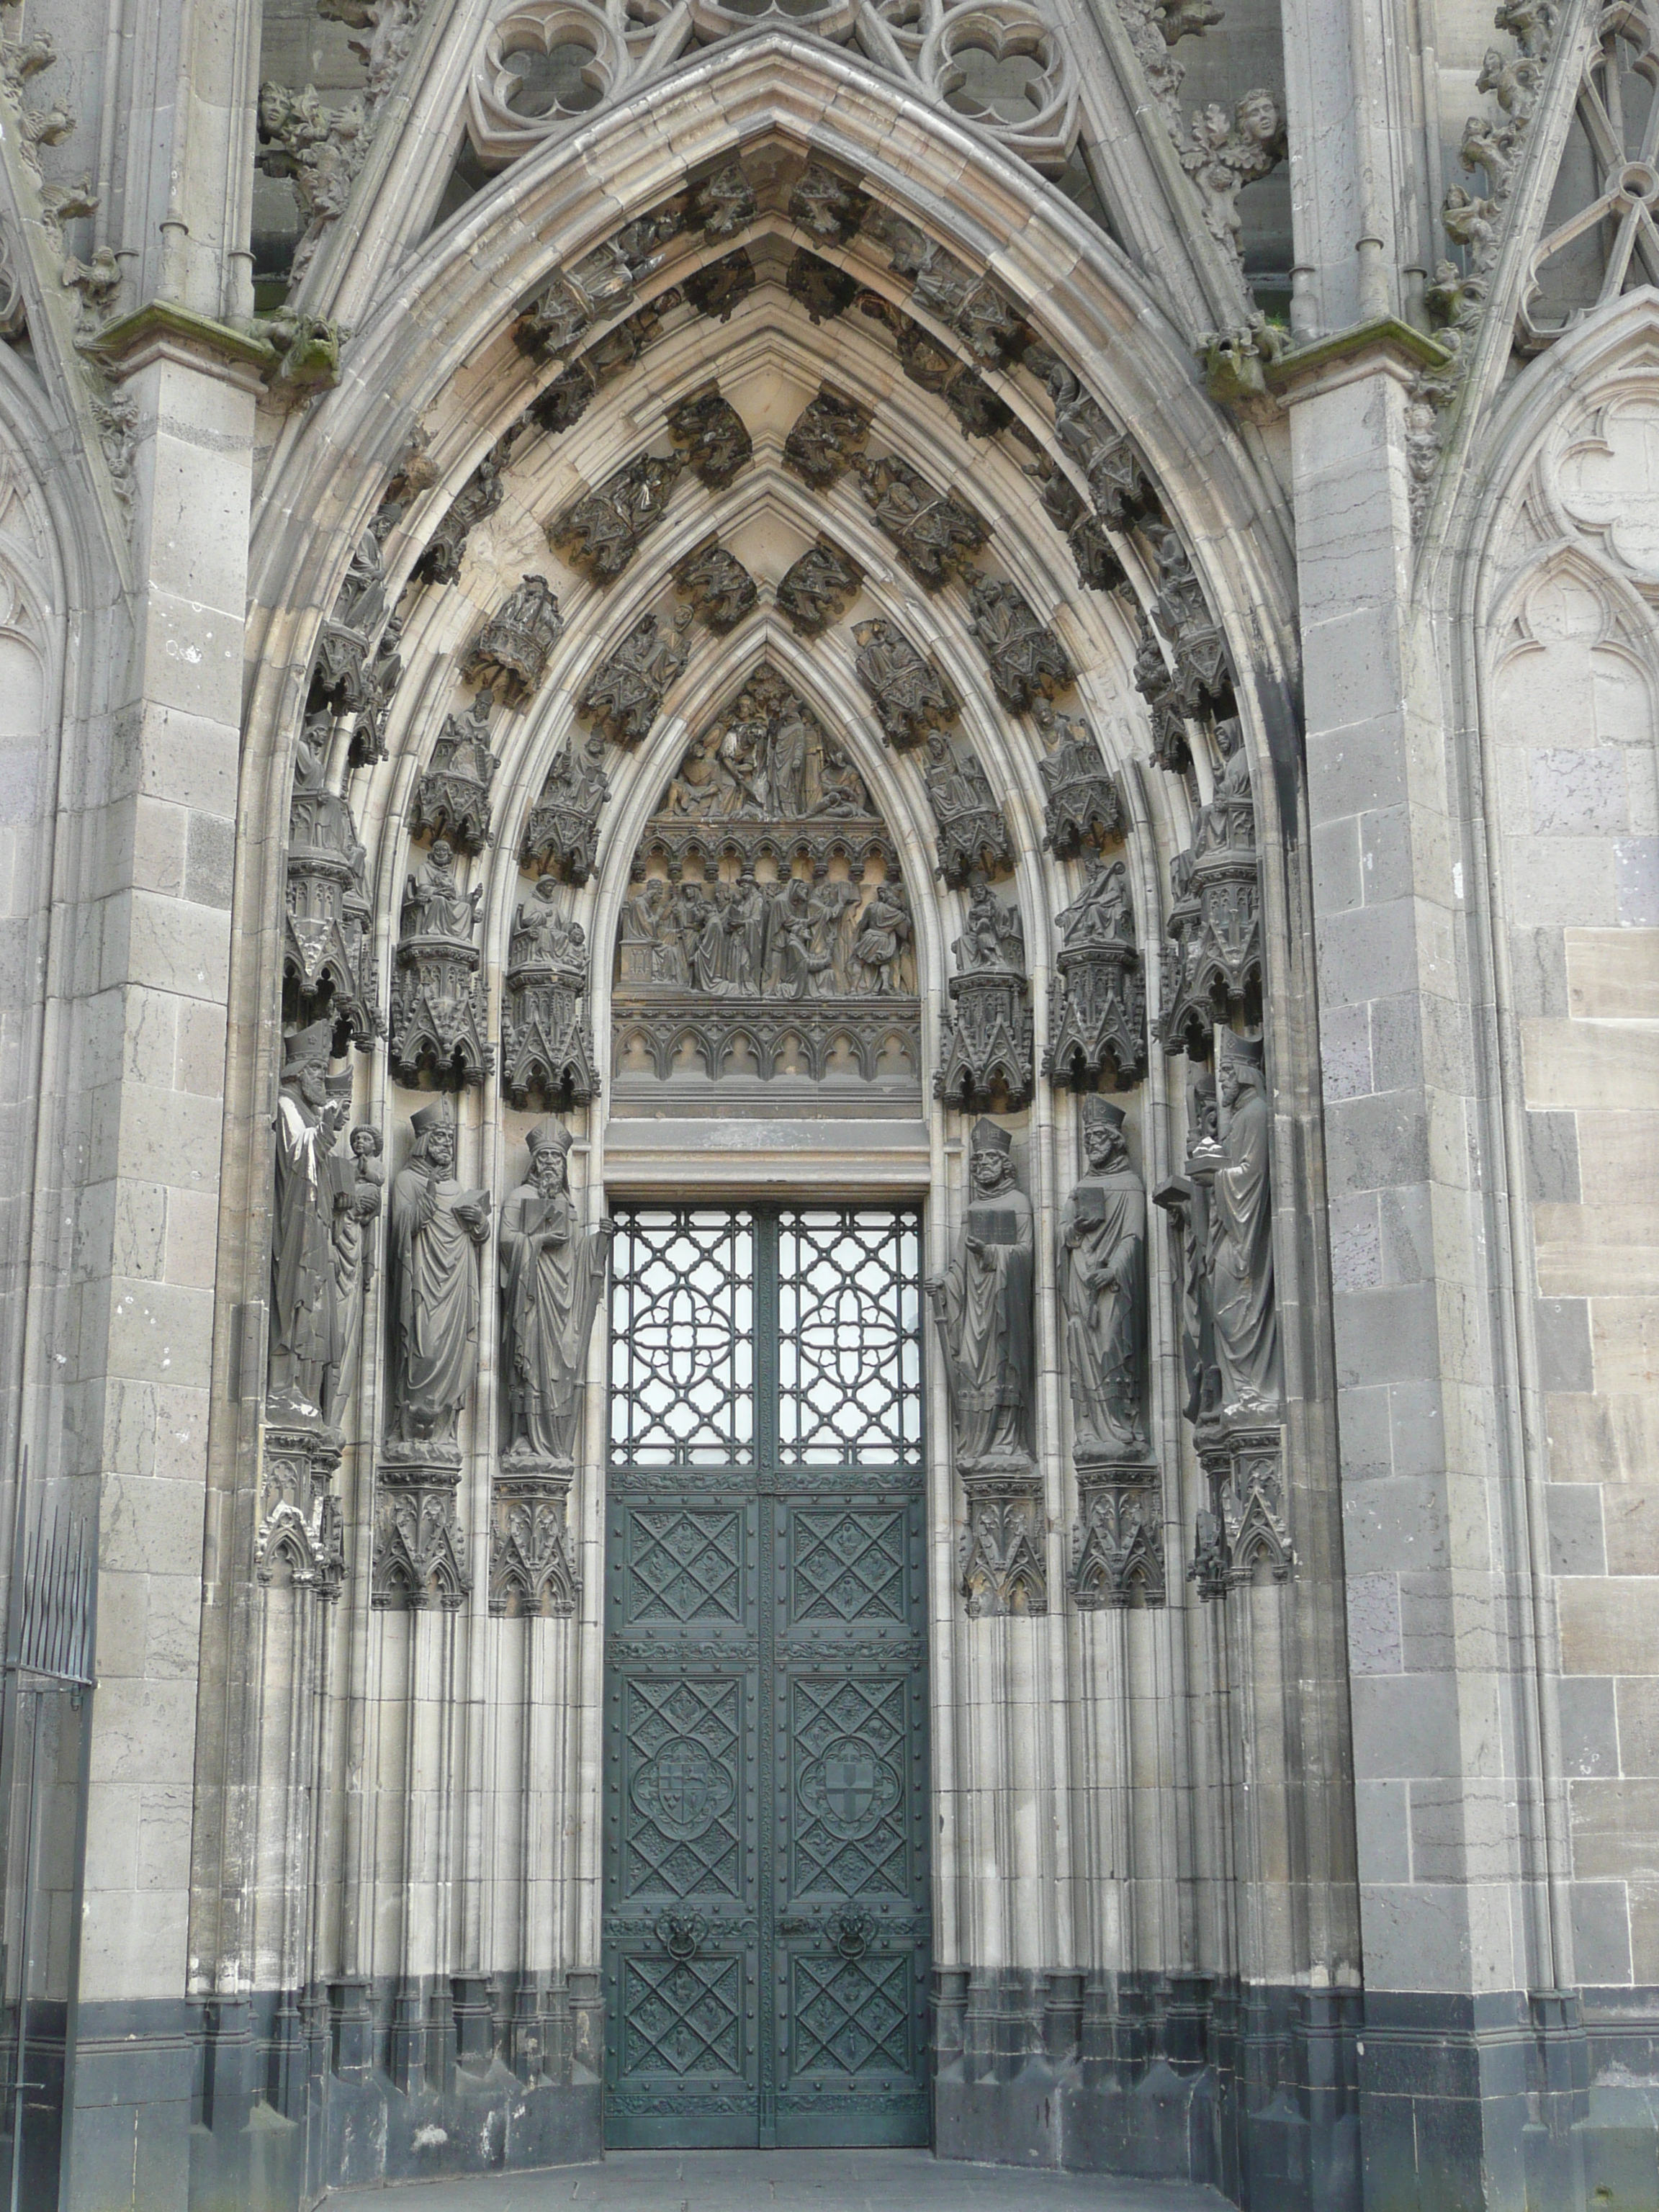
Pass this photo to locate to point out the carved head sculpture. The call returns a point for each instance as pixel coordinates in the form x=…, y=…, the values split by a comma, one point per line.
x=367, y=1143
x=548, y=1143
x=1238, y=1068
x=434, y=1136
x=1103, y=1141
x=990, y=1162
x=443, y=858
x=1256, y=117
x=305, y=1063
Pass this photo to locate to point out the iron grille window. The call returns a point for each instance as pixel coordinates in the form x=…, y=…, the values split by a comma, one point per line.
x=836, y=1287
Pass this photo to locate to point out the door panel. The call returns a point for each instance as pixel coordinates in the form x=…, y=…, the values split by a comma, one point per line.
x=766, y=1914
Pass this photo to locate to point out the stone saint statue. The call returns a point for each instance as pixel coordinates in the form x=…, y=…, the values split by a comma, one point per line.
x=1186, y=1199
x=436, y=1228
x=551, y=1275
x=1102, y=1232
x=302, y=1222
x=359, y=1193
x=1243, y=1319
x=982, y=1308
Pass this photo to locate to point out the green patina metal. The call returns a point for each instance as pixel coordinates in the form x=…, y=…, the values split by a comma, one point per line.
x=767, y=1927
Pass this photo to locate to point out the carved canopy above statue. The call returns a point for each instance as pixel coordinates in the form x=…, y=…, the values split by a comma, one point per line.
x=767, y=933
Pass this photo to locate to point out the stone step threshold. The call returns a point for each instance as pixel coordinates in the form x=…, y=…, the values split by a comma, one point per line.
x=787, y=2181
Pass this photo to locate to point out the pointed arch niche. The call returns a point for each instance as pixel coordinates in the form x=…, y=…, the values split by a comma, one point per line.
x=930, y=481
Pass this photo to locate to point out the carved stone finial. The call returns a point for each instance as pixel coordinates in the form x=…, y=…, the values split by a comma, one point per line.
x=987, y=1063
x=815, y=590
x=911, y=698
x=439, y=1007
x=601, y=533
x=625, y=692
x=721, y=589
x=716, y=440
x=547, y=1050
x=514, y=646
x=451, y=798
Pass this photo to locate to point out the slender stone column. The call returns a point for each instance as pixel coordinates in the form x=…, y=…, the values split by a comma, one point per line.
x=1454, y=1930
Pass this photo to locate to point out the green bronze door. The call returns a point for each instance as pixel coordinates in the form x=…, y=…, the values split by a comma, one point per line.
x=767, y=1937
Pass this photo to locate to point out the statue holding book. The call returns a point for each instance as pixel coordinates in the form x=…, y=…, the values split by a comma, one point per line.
x=436, y=1228
x=1102, y=1234
x=982, y=1307
x=551, y=1275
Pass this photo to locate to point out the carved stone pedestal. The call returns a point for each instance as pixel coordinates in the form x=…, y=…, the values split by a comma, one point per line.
x=987, y=1046
x=547, y=1049
x=300, y=1540
x=1117, y=1539
x=1097, y=1015
x=532, y=1558
x=420, y=1550
x=1003, y=1555
x=1241, y=1533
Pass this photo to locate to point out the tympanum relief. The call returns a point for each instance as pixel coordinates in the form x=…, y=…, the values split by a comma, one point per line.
x=767, y=933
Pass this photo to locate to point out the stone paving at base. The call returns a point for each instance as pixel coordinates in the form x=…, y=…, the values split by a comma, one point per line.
x=788, y=2181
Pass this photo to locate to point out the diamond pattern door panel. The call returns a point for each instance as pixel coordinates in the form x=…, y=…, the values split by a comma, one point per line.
x=767, y=1937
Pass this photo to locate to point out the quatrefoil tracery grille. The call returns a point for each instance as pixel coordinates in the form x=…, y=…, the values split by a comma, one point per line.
x=849, y=1339
x=683, y=1367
